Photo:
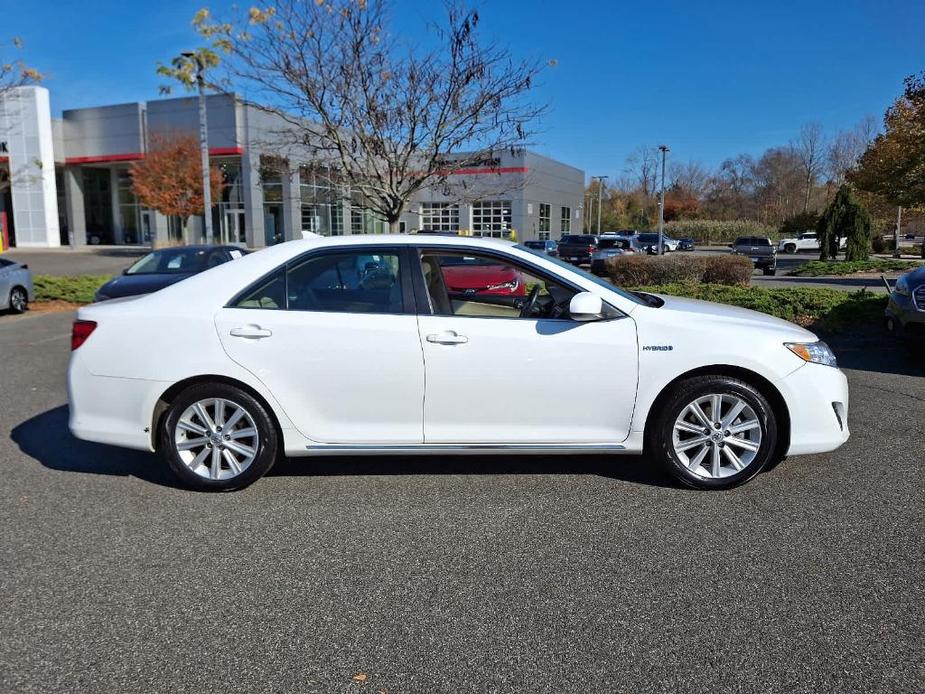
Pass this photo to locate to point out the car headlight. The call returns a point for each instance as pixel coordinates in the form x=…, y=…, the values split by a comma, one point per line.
x=902, y=286
x=814, y=352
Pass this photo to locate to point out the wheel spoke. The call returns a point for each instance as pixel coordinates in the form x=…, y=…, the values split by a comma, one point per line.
x=714, y=469
x=219, y=412
x=734, y=412
x=699, y=414
x=251, y=432
x=692, y=443
x=189, y=426
x=234, y=418
x=204, y=416
x=200, y=459
x=741, y=443
x=745, y=426
x=733, y=458
x=716, y=407
x=245, y=451
x=698, y=459
x=190, y=444
x=688, y=427
x=216, y=463
x=232, y=461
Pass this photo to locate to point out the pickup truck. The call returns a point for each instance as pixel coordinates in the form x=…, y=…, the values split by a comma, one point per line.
x=807, y=241
x=759, y=250
x=577, y=248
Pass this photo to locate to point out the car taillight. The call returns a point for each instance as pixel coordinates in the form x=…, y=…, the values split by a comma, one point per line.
x=81, y=330
x=591, y=249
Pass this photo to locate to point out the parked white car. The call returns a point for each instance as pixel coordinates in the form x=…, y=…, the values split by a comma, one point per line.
x=391, y=345
x=807, y=241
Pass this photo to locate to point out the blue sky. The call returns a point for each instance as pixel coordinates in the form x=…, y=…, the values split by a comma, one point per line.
x=710, y=79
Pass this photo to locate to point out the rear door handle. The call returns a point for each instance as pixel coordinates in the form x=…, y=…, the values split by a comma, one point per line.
x=253, y=332
x=447, y=337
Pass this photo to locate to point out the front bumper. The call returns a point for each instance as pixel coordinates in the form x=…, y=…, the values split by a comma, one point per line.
x=903, y=310
x=817, y=397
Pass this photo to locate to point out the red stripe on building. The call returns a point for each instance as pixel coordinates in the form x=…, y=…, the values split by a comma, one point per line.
x=500, y=170
x=135, y=156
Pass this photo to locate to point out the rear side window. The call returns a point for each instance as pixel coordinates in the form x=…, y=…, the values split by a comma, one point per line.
x=351, y=282
x=5, y=263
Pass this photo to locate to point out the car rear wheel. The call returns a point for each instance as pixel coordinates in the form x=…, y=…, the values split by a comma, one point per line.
x=19, y=301
x=715, y=432
x=218, y=438
x=770, y=271
x=790, y=248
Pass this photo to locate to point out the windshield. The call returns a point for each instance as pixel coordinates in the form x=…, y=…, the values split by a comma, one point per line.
x=752, y=241
x=588, y=276
x=170, y=261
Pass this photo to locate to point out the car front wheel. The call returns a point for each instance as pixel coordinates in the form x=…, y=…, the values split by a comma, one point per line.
x=790, y=248
x=217, y=438
x=715, y=432
x=19, y=302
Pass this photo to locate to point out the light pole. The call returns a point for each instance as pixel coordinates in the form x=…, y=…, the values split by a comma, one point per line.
x=600, y=192
x=203, y=147
x=661, y=205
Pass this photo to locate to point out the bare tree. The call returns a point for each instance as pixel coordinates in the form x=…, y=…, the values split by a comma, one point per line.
x=13, y=73
x=393, y=118
x=642, y=165
x=809, y=148
x=691, y=178
x=847, y=147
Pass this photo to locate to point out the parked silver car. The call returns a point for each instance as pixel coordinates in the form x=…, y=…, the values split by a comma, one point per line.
x=15, y=286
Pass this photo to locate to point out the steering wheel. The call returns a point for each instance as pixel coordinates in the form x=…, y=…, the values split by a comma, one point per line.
x=530, y=303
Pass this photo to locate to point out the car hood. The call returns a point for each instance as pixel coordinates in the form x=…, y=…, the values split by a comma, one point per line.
x=733, y=316
x=132, y=285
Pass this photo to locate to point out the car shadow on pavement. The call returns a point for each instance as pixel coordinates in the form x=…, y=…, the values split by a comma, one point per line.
x=46, y=438
x=629, y=468
x=879, y=353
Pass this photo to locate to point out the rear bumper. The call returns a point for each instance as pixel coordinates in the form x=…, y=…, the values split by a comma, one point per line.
x=817, y=397
x=115, y=411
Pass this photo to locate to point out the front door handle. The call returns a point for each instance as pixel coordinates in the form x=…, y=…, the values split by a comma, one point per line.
x=447, y=337
x=253, y=332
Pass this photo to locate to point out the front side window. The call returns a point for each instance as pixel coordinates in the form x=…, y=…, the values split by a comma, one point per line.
x=174, y=260
x=475, y=285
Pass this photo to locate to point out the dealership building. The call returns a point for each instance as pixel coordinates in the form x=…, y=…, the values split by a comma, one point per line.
x=67, y=181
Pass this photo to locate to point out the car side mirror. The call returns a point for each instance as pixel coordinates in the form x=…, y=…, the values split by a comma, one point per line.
x=586, y=306
x=125, y=271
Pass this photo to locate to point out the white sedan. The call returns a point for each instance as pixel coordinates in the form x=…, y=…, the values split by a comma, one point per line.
x=442, y=345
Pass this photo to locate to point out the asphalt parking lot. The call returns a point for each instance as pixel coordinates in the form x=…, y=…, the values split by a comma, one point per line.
x=558, y=574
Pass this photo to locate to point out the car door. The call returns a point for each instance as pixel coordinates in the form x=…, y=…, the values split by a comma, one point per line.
x=493, y=377
x=334, y=338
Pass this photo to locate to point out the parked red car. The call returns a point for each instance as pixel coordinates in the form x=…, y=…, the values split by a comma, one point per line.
x=470, y=276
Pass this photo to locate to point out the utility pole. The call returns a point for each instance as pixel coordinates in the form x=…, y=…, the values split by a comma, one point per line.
x=600, y=193
x=661, y=204
x=203, y=147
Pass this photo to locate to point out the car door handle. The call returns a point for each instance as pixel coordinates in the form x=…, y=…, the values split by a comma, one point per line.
x=253, y=332
x=447, y=337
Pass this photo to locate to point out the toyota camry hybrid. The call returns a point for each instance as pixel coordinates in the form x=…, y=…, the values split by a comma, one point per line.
x=374, y=345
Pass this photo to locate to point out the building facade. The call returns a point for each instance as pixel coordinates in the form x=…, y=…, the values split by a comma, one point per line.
x=68, y=182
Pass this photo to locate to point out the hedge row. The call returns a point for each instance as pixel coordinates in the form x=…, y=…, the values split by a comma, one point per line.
x=78, y=289
x=824, y=307
x=636, y=270
x=716, y=231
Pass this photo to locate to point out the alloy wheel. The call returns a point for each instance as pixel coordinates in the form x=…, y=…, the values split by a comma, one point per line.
x=216, y=438
x=18, y=300
x=717, y=435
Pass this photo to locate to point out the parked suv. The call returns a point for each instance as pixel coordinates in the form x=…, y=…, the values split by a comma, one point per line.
x=548, y=246
x=807, y=241
x=905, y=314
x=759, y=250
x=577, y=248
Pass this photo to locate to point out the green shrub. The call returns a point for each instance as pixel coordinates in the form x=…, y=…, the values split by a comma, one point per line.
x=717, y=232
x=824, y=307
x=878, y=244
x=819, y=268
x=78, y=289
x=634, y=270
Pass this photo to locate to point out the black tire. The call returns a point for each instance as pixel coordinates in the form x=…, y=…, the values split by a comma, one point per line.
x=890, y=326
x=790, y=248
x=266, y=450
x=660, y=439
x=770, y=271
x=19, y=300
